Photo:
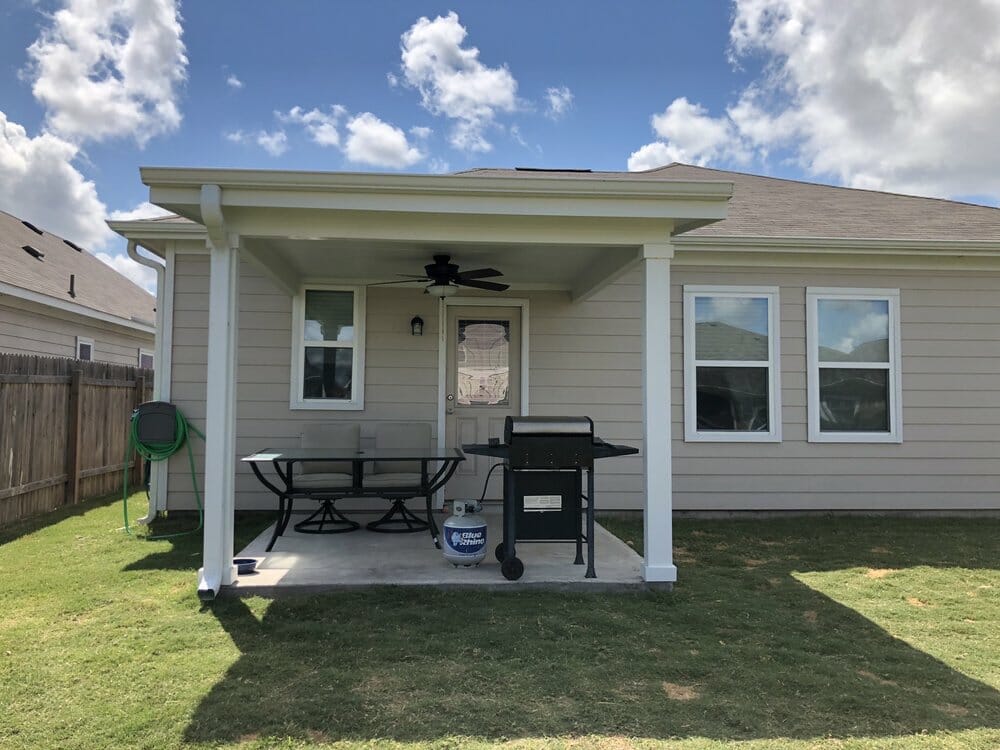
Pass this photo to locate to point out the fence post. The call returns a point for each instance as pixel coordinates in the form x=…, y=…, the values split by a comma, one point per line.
x=75, y=408
x=140, y=394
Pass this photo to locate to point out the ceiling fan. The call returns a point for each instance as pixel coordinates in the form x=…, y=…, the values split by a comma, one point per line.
x=445, y=278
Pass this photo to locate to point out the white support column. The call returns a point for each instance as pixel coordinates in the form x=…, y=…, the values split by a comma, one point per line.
x=656, y=420
x=220, y=419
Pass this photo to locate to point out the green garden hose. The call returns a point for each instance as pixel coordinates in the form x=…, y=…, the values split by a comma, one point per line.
x=161, y=452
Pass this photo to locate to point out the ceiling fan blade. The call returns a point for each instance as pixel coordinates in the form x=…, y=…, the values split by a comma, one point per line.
x=479, y=273
x=419, y=279
x=412, y=276
x=493, y=287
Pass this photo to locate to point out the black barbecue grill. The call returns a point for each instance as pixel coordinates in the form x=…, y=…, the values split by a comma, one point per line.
x=543, y=492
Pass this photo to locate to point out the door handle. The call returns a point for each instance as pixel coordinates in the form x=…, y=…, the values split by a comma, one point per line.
x=450, y=406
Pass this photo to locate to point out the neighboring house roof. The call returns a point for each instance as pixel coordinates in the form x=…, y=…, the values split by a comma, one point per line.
x=45, y=269
x=774, y=207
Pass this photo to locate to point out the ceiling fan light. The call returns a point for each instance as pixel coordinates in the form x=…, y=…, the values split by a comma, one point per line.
x=441, y=290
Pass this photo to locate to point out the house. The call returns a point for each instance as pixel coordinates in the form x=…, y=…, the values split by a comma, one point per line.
x=58, y=300
x=771, y=345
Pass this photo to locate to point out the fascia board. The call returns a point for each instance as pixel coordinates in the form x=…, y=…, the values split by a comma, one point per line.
x=72, y=307
x=153, y=235
x=885, y=246
x=180, y=190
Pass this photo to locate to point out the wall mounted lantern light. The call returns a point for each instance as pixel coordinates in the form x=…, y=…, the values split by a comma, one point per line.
x=417, y=326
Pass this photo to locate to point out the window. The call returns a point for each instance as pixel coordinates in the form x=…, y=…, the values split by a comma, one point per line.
x=84, y=349
x=145, y=359
x=328, y=351
x=731, y=377
x=854, y=372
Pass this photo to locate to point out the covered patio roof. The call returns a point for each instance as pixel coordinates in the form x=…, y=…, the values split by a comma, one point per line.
x=555, y=232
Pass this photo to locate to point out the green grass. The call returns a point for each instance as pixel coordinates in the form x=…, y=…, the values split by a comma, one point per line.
x=791, y=634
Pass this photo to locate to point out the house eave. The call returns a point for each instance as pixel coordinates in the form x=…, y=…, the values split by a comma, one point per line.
x=153, y=235
x=179, y=190
x=72, y=307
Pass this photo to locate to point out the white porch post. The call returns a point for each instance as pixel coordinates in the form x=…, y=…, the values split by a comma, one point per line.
x=656, y=418
x=220, y=419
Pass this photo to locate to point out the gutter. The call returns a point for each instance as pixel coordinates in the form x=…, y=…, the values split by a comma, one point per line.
x=161, y=373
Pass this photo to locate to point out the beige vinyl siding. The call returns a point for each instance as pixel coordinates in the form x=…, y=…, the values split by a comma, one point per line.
x=31, y=328
x=585, y=359
x=950, y=455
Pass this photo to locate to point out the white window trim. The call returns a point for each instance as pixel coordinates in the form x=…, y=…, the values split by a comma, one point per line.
x=895, y=434
x=691, y=432
x=357, y=402
x=146, y=353
x=80, y=340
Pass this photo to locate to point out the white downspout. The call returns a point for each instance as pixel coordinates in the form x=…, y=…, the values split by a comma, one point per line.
x=158, y=470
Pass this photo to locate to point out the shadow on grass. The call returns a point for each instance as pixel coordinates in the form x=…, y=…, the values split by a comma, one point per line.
x=741, y=650
x=186, y=549
x=25, y=526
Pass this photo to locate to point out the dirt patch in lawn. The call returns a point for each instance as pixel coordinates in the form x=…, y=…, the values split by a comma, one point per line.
x=680, y=692
x=880, y=572
x=914, y=601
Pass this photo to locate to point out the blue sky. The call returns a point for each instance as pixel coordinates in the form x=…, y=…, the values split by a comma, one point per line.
x=900, y=96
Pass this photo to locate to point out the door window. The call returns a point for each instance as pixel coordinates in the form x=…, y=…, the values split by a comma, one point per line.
x=483, y=362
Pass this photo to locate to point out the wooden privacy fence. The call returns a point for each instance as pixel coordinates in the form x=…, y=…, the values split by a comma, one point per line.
x=63, y=431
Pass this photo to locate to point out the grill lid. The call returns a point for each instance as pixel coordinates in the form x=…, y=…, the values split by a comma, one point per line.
x=538, y=426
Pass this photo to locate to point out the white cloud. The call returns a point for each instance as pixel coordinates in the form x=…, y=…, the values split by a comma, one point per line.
x=421, y=132
x=321, y=126
x=453, y=82
x=113, y=68
x=558, y=99
x=898, y=95
x=372, y=141
x=275, y=143
x=687, y=133
x=233, y=82
x=38, y=182
x=144, y=210
x=438, y=166
x=136, y=272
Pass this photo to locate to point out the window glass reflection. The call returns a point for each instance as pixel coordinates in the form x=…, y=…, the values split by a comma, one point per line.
x=731, y=328
x=483, y=363
x=732, y=399
x=327, y=372
x=853, y=330
x=852, y=400
x=329, y=316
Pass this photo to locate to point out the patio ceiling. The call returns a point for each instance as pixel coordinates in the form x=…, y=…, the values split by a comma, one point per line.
x=524, y=266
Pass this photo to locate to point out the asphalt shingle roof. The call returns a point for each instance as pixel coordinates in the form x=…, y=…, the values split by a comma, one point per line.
x=774, y=207
x=97, y=285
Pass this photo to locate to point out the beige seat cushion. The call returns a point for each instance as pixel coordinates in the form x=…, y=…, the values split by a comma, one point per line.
x=393, y=479
x=412, y=437
x=331, y=480
x=337, y=437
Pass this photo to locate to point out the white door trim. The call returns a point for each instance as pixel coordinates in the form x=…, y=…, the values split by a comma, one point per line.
x=443, y=354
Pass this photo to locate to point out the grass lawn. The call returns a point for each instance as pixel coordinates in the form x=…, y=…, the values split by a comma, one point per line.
x=791, y=634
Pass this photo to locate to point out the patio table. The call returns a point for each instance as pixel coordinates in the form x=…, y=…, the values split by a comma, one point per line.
x=283, y=461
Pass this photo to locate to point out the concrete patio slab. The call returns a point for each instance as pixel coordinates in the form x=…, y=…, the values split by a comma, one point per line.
x=302, y=563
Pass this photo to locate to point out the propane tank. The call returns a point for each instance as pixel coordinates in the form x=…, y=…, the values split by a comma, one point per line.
x=465, y=534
